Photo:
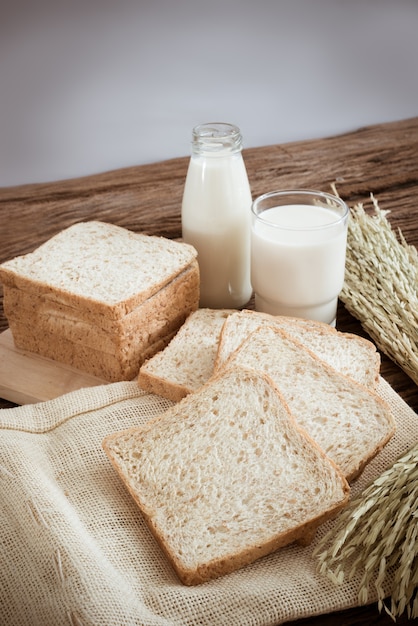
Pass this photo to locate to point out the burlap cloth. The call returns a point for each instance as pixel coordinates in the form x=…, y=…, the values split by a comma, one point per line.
x=74, y=549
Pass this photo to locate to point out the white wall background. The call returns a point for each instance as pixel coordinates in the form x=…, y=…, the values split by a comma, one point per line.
x=92, y=85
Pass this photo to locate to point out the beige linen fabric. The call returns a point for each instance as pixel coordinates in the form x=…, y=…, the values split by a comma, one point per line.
x=75, y=551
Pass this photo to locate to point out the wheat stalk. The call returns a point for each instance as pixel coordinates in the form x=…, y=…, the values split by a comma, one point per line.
x=377, y=535
x=381, y=285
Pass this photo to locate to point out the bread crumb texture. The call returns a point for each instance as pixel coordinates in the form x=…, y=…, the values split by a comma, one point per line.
x=187, y=362
x=226, y=475
x=349, y=422
x=349, y=354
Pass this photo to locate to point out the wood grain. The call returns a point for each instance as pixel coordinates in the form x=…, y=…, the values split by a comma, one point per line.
x=380, y=159
x=26, y=378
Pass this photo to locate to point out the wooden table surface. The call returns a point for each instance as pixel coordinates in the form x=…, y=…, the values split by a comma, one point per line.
x=380, y=159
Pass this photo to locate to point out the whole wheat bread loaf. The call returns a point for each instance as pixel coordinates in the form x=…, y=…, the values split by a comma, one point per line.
x=348, y=421
x=226, y=476
x=100, y=298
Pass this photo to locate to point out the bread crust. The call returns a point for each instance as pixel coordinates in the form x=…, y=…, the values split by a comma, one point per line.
x=166, y=389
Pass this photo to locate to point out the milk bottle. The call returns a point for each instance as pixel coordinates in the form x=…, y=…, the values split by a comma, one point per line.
x=216, y=215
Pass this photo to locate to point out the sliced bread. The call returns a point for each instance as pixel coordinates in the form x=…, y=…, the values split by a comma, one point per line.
x=100, y=267
x=160, y=315
x=110, y=367
x=349, y=422
x=349, y=354
x=181, y=293
x=188, y=360
x=209, y=336
x=226, y=476
x=100, y=298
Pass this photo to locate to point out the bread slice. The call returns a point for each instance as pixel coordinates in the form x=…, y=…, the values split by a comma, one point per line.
x=26, y=305
x=226, y=476
x=188, y=360
x=99, y=267
x=160, y=315
x=347, y=353
x=349, y=422
x=209, y=336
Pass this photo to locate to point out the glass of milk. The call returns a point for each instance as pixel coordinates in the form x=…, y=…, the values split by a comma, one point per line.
x=298, y=247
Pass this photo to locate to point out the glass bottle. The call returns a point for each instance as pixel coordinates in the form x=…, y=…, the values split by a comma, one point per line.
x=216, y=215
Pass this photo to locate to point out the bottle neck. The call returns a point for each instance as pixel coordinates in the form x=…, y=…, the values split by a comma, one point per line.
x=216, y=139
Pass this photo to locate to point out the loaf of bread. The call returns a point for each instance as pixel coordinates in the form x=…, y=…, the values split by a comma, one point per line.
x=100, y=298
x=209, y=336
x=226, y=476
x=349, y=422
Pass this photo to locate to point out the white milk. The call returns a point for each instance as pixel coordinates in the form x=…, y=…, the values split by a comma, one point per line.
x=216, y=220
x=297, y=264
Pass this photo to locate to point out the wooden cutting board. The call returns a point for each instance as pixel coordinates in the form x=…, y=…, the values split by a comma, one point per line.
x=26, y=378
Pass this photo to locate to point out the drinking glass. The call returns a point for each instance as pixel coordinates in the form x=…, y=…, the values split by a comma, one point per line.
x=298, y=249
